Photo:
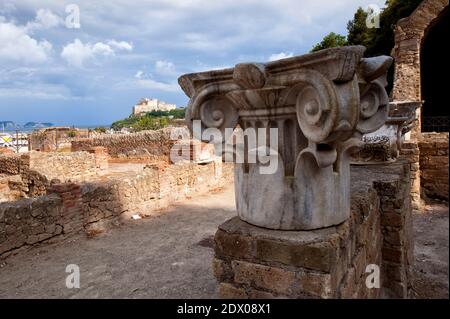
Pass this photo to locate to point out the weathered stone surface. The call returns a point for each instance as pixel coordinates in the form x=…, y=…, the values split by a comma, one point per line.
x=101, y=204
x=263, y=277
x=434, y=166
x=384, y=144
x=409, y=33
x=329, y=262
x=320, y=104
x=146, y=144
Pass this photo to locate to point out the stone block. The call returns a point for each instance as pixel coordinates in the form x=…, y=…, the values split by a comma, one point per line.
x=229, y=291
x=263, y=277
x=317, y=256
x=392, y=254
x=233, y=245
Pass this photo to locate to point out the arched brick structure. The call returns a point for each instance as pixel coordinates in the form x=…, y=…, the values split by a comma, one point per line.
x=409, y=35
x=429, y=171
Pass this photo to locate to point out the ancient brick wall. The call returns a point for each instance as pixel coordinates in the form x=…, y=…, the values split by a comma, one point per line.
x=75, y=166
x=14, y=164
x=253, y=262
x=409, y=33
x=29, y=221
x=155, y=144
x=434, y=165
x=74, y=207
x=22, y=180
x=410, y=152
x=54, y=139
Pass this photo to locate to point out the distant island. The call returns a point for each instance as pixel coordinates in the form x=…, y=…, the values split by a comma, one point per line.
x=7, y=125
x=37, y=125
x=10, y=125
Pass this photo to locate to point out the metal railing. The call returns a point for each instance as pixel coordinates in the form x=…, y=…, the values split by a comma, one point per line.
x=435, y=124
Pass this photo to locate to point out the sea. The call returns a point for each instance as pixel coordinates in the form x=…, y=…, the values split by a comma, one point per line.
x=28, y=130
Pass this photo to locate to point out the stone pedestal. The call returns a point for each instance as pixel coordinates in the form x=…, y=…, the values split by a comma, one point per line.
x=253, y=262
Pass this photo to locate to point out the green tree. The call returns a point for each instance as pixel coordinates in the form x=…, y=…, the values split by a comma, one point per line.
x=100, y=130
x=382, y=40
x=331, y=40
x=178, y=113
x=358, y=32
x=71, y=133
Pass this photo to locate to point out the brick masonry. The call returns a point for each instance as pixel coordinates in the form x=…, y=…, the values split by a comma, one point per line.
x=29, y=174
x=146, y=144
x=69, y=207
x=434, y=165
x=410, y=152
x=409, y=33
x=253, y=262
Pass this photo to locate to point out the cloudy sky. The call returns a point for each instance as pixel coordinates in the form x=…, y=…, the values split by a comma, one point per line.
x=124, y=50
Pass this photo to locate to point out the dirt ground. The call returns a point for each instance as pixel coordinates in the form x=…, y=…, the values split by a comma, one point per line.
x=169, y=256
x=431, y=252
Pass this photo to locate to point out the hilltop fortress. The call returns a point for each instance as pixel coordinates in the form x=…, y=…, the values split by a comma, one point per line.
x=148, y=105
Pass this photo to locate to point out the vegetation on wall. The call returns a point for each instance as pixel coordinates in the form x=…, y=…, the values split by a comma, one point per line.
x=150, y=121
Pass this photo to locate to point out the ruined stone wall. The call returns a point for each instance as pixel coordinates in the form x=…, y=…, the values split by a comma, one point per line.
x=410, y=152
x=22, y=181
x=29, y=175
x=73, y=207
x=75, y=166
x=14, y=164
x=54, y=139
x=393, y=187
x=434, y=165
x=29, y=221
x=409, y=33
x=146, y=143
x=253, y=262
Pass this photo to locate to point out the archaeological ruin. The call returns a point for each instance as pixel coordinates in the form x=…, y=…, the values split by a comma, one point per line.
x=297, y=178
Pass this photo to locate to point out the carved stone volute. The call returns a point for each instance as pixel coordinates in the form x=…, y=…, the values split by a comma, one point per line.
x=321, y=104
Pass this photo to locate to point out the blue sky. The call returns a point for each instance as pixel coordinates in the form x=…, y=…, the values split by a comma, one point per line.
x=126, y=50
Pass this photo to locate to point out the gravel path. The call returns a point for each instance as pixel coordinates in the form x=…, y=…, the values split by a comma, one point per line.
x=431, y=252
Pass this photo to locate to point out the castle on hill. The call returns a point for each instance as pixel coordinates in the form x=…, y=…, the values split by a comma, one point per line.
x=146, y=105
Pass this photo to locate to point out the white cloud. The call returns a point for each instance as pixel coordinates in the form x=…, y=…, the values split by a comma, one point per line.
x=165, y=67
x=281, y=55
x=18, y=46
x=139, y=74
x=102, y=49
x=160, y=86
x=121, y=45
x=45, y=19
x=77, y=53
